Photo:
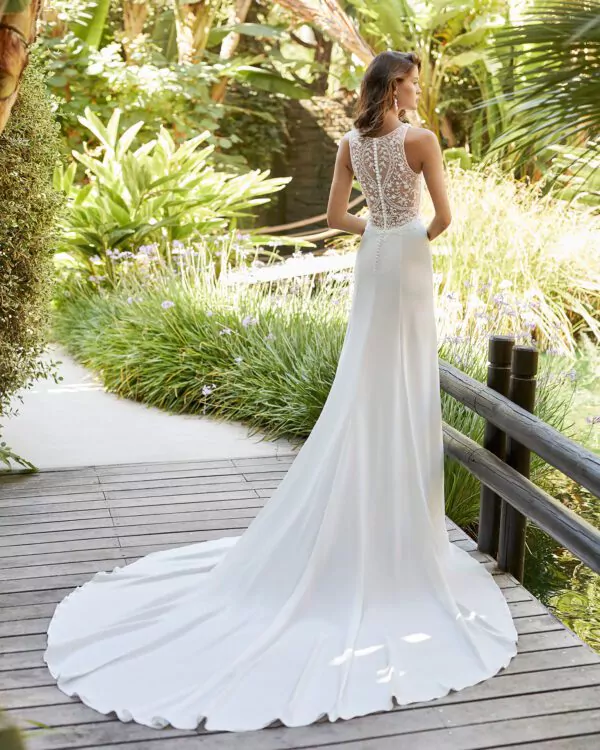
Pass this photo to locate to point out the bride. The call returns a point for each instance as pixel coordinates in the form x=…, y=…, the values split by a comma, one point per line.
x=344, y=597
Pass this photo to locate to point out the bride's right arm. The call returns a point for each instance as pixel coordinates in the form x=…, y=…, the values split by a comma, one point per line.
x=433, y=172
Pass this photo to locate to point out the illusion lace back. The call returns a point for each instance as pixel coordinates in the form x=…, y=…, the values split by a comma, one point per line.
x=390, y=186
x=344, y=595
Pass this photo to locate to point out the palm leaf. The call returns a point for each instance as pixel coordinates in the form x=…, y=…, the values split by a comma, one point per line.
x=554, y=53
x=329, y=17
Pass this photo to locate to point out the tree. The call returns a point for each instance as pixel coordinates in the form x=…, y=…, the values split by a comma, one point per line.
x=18, y=30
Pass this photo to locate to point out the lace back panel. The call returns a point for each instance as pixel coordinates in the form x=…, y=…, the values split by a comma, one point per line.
x=391, y=188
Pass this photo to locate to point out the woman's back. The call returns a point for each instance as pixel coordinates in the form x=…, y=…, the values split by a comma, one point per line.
x=391, y=187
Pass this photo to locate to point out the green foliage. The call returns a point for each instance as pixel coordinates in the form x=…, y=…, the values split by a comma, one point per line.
x=148, y=88
x=29, y=206
x=89, y=26
x=553, y=53
x=151, y=85
x=450, y=38
x=513, y=248
x=157, y=193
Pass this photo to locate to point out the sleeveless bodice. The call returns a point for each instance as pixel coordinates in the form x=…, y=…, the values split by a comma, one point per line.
x=390, y=186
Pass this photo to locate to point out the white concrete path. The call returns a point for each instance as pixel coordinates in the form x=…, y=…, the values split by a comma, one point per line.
x=77, y=423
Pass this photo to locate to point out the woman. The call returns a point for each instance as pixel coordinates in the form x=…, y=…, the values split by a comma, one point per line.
x=344, y=596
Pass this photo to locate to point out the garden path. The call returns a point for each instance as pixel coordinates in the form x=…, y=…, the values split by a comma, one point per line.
x=77, y=423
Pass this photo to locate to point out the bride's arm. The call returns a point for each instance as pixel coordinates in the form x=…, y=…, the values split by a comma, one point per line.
x=433, y=172
x=338, y=216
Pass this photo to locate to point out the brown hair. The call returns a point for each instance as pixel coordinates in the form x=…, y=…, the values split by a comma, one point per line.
x=377, y=88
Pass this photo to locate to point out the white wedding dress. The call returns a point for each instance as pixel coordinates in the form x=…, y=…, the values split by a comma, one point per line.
x=345, y=592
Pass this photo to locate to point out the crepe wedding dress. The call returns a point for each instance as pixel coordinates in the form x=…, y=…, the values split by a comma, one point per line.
x=344, y=596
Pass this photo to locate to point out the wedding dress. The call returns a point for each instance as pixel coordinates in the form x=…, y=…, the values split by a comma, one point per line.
x=344, y=596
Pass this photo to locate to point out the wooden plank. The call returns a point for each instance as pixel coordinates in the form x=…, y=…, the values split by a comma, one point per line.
x=110, y=480
x=48, y=479
x=207, y=491
x=192, y=516
x=22, y=660
x=49, y=491
x=23, y=598
x=538, y=624
x=51, y=526
x=266, y=460
x=406, y=729
x=547, y=641
x=41, y=510
x=49, y=499
x=26, y=612
x=132, y=544
x=40, y=585
x=231, y=476
x=582, y=742
x=553, y=703
x=54, y=558
x=22, y=643
x=8, y=548
x=145, y=466
x=475, y=737
x=42, y=549
x=40, y=518
x=39, y=572
x=199, y=500
x=158, y=506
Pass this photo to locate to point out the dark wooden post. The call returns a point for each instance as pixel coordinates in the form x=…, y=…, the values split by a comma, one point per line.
x=513, y=525
x=498, y=377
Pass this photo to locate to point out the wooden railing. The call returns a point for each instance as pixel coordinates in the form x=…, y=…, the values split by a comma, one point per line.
x=508, y=498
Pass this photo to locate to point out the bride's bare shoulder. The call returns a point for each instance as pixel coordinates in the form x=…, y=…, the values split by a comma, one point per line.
x=422, y=135
x=423, y=142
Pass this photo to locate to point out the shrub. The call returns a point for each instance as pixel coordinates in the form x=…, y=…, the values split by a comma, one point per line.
x=29, y=206
x=158, y=193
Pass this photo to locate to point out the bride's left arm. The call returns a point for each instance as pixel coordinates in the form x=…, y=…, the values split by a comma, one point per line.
x=338, y=216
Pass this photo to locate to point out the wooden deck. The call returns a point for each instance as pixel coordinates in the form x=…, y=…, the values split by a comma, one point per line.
x=59, y=527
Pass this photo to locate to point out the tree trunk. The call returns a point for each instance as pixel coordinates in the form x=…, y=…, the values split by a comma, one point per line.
x=193, y=22
x=135, y=13
x=237, y=14
x=322, y=56
x=17, y=33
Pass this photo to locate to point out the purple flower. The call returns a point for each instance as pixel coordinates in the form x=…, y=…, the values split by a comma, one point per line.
x=249, y=321
x=129, y=300
x=269, y=337
x=227, y=331
x=166, y=304
x=239, y=359
x=209, y=313
x=592, y=420
x=208, y=389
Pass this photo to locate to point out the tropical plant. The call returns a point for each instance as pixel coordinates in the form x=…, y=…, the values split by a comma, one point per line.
x=553, y=52
x=449, y=37
x=157, y=193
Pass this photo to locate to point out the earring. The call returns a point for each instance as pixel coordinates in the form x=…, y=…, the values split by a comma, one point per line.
x=395, y=102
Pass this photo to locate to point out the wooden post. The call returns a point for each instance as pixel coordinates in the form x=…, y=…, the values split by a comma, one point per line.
x=513, y=524
x=498, y=377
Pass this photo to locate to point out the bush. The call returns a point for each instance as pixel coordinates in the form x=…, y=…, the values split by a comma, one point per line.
x=159, y=193
x=29, y=205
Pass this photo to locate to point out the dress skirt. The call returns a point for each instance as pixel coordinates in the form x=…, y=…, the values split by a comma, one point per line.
x=344, y=596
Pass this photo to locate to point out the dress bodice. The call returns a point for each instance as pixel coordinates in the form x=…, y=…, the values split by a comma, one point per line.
x=391, y=188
